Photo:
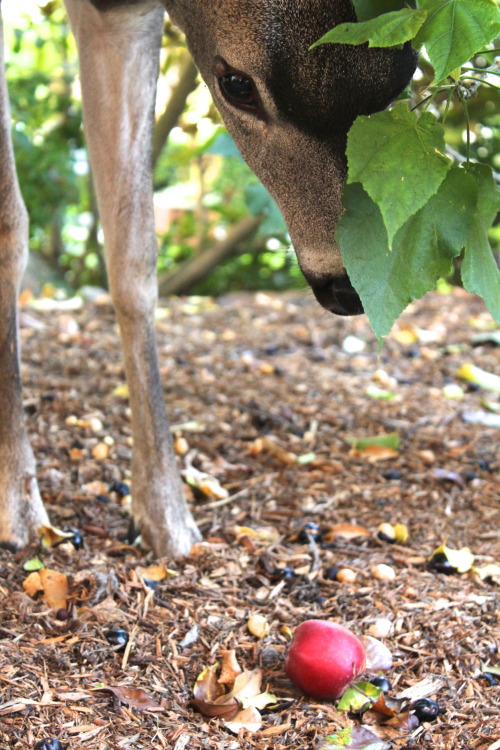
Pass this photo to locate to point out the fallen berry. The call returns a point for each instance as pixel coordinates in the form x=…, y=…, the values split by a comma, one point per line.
x=425, y=709
x=309, y=531
x=117, y=637
x=49, y=743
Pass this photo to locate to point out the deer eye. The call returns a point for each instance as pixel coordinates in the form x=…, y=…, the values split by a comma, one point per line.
x=236, y=87
x=238, y=90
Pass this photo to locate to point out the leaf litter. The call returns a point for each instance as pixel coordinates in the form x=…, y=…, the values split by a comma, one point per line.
x=265, y=379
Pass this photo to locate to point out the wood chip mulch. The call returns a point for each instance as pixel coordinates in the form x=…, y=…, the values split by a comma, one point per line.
x=263, y=391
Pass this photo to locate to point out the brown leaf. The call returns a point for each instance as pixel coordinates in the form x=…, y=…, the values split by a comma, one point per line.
x=258, y=626
x=346, y=531
x=230, y=668
x=215, y=709
x=374, y=453
x=249, y=719
x=207, y=688
x=248, y=684
x=49, y=585
x=133, y=697
x=407, y=722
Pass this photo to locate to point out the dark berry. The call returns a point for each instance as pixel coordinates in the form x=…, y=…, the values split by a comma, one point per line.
x=331, y=573
x=469, y=475
x=49, y=743
x=286, y=573
x=121, y=488
x=425, y=709
x=62, y=614
x=484, y=465
x=386, y=538
x=440, y=564
x=309, y=531
x=50, y=396
x=77, y=538
x=391, y=474
x=151, y=584
x=383, y=683
x=472, y=387
x=491, y=679
x=117, y=637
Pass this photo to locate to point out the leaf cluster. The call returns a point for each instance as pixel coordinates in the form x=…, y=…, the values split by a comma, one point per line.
x=424, y=208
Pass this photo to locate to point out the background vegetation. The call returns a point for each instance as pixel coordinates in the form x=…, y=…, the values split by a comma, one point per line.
x=204, y=193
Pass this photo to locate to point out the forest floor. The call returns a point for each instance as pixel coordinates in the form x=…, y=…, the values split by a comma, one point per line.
x=263, y=391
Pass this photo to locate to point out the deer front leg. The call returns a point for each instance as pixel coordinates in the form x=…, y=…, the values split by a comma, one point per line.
x=118, y=52
x=21, y=509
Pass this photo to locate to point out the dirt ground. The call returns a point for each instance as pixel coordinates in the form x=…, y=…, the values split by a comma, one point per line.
x=263, y=391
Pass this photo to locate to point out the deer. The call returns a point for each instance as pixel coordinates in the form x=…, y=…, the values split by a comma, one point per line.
x=288, y=109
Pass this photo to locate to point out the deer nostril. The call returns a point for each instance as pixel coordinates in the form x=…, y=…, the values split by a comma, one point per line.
x=337, y=295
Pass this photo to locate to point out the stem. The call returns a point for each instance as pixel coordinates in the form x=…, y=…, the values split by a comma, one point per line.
x=430, y=97
x=480, y=82
x=445, y=113
x=467, y=120
x=484, y=71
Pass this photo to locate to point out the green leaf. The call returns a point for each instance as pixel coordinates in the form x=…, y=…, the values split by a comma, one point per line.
x=455, y=30
x=488, y=192
x=422, y=249
x=33, y=564
x=354, y=700
x=480, y=273
x=391, y=440
x=400, y=161
x=354, y=738
x=388, y=30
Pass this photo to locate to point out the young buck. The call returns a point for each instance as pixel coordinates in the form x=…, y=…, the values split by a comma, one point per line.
x=288, y=109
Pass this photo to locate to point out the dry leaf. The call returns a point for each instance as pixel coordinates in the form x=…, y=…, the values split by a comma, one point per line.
x=133, y=697
x=374, y=453
x=267, y=445
x=155, y=573
x=345, y=531
x=207, y=687
x=48, y=585
x=230, y=669
x=258, y=626
x=51, y=536
x=249, y=719
x=226, y=708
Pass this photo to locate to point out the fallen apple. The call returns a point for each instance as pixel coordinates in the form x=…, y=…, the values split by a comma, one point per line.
x=324, y=658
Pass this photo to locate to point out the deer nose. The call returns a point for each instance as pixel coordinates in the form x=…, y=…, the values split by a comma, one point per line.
x=336, y=294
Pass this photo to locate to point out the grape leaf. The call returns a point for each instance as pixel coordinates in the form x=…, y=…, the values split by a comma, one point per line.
x=488, y=203
x=480, y=273
x=400, y=161
x=387, y=281
x=455, y=30
x=384, y=31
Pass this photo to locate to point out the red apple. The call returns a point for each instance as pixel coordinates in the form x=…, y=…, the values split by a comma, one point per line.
x=324, y=658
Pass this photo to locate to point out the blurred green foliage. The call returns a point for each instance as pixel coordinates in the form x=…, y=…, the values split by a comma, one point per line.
x=201, y=182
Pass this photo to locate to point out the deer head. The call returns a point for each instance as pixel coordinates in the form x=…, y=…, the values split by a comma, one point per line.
x=289, y=110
